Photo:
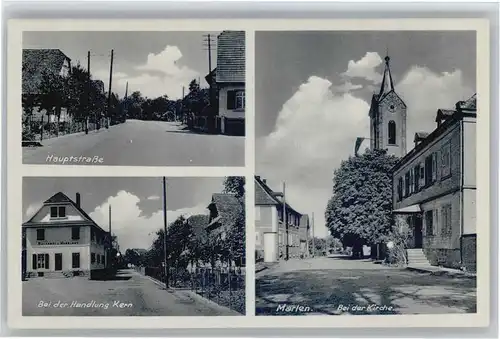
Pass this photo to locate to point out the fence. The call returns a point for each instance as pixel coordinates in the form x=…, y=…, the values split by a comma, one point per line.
x=225, y=286
x=46, y=127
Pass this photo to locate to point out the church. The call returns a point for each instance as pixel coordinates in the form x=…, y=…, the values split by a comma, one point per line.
x=434, y=183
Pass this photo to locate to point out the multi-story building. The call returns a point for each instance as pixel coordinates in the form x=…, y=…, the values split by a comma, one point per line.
x=230, y=82
x=61, y=239
x=434, y=190
x=273, y=238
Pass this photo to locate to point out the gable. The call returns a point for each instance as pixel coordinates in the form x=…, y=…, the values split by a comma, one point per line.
x=392, y=98
x=43, y=214
x=37, y=61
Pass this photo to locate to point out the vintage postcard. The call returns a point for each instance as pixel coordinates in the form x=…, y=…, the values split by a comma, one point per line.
x=248, y=173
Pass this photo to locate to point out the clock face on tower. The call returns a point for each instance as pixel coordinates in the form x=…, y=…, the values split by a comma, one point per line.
x=392, y=108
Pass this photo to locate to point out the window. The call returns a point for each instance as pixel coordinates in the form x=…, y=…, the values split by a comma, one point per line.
x=57, y=212
x=92, y=258
x=40, y=261
x=428, y=170
x=429, y=219
x=75, y=233
x=75, y=260
x=446, y=220
x=416, y=178
x=236, y=99
x=98, y=259
x=392, y=132
x=40, y=234
x=411, y=182
x=257, y=213
x=407, y=185
x=400, y=188
x=446, y=160
x=434, y=167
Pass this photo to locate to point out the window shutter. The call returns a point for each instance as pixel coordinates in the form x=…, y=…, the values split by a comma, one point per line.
x=434, y=221
x=33, y=261
x=47, y=257
x=434, y=166
x=231, y=99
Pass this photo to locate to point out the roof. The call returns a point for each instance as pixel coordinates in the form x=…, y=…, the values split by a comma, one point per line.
x=227, y=207
x=231, y=57
x=35, y=63
x=421, y=135
x=469, y=104
x=59, y=198
x=198, y=223
x=264, y=195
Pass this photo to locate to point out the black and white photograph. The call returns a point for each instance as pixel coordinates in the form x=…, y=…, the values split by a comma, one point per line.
x=133, y=246
x=365, y=183
x=133, y=98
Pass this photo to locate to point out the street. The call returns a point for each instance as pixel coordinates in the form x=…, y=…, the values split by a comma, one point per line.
x=140, y=143
x=127, y=294
x=340, y=285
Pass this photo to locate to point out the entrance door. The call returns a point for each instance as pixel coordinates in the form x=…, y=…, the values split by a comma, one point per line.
x=58, y=259
x=418, y=231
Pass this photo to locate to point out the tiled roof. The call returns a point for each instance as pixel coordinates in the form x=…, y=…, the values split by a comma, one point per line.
x=198, y=224
x=470, y=103
x=60, y=197
x=263, y=194
x=227, y=207
x=35, y=62
x=231, y=57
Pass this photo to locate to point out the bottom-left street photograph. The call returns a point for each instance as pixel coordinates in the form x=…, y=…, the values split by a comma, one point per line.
x=133, y=246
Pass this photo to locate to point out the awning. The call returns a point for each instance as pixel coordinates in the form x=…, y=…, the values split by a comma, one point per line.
x=408, y=209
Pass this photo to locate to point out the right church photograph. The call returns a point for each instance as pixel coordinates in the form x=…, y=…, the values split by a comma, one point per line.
x=365, y=183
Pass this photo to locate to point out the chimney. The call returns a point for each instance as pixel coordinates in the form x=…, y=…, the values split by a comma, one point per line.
x=258, y=177
x=264, y=181
x=78, y=200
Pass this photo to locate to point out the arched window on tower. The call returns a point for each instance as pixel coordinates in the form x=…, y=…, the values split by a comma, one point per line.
x=392, y=133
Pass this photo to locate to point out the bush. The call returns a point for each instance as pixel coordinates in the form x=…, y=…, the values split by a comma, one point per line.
x=259, y=255
x=396, y=254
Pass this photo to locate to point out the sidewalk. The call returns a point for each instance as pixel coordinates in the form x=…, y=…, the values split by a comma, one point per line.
x=437, y=270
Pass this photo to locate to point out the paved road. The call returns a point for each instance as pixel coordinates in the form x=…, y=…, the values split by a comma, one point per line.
x=129, y=294
x=142, y=143
x=344, y=286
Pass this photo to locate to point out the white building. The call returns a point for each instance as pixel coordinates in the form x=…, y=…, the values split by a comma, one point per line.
x=60, y=239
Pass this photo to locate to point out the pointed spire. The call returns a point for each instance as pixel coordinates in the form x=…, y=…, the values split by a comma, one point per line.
x=387, y=83
x=126, y=90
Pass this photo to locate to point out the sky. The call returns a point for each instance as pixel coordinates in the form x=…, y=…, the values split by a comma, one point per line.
x=136, y=203
x=154, y=63
x=312, y=96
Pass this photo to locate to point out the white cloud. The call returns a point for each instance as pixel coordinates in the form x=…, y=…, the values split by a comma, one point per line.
x=32, y=209
x=424, y=92
x=316, y=129
x=365, y=68
x=132, y=228
x=154, y=197
x=347, y=87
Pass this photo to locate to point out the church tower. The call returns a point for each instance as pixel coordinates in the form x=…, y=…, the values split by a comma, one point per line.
x=388, y=117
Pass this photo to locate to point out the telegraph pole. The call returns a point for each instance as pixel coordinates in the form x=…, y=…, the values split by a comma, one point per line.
x=88, y=96
x=165, y=229
x=110, y=237
x=109, y=91
x=286, y=223
x=208, y=40
x=312, y=229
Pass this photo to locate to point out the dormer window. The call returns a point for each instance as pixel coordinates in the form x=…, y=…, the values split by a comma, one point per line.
x=57, y=212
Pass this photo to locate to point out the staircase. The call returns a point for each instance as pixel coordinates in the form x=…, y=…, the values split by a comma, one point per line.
x=416, y=257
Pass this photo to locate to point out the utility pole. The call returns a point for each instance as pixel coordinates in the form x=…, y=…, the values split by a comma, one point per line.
x=110, y=237
x=182, y=106
x=88, y=96
x=285, y=223
x=109, y=91
x=165, y=229
x=208, y=40
x=312, y=229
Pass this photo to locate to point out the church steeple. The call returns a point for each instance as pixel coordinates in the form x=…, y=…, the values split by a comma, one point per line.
x=387, y=83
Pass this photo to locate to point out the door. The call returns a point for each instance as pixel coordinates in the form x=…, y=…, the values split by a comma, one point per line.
x=418, y=231
x=58, y=259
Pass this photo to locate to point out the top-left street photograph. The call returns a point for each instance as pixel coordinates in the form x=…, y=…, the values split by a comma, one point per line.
x=118, y=98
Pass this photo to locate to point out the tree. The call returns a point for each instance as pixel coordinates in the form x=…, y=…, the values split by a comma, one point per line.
x=54, y=94
x=359, y=211
x=234, y=185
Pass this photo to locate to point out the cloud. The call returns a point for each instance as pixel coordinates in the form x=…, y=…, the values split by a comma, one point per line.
x=347, y=87
x=154, y=197
x=32, y=209
x=316, y=129
x=132, y=228
x=365, y=68
x=160, y=74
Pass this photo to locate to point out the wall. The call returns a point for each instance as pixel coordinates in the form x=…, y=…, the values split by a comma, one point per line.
x=469, y=211
x=399, y=117
x=263, y=222
x=223, y=111
x=439, y=187
x=58, y=234
x=469, y=145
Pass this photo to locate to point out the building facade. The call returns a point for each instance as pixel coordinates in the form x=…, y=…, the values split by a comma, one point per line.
x=434, y=189
x=60, y=239
x=273, y=239
x=230, y=82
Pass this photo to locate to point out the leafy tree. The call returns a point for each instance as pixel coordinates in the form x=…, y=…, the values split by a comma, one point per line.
x=54, y=93
x=234, y=185
x=359, y=211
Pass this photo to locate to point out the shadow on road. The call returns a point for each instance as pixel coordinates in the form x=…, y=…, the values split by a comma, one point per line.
x=353, y=291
